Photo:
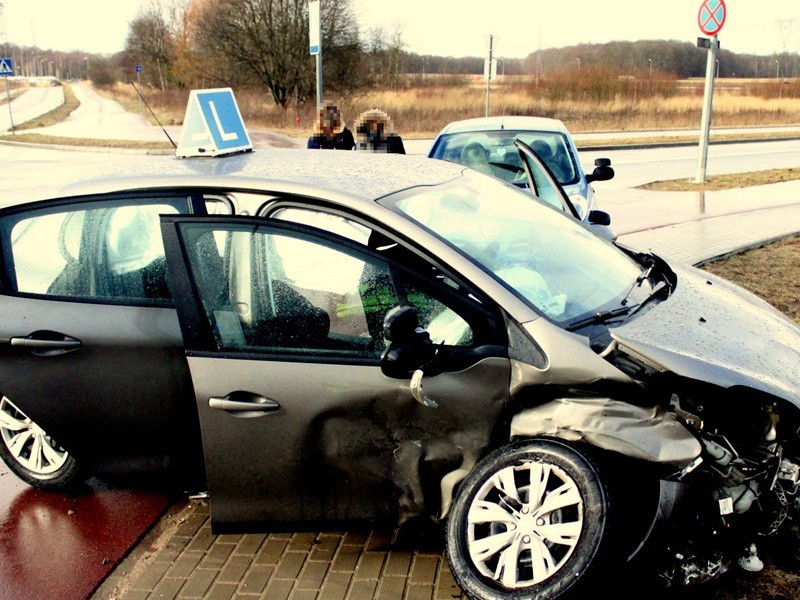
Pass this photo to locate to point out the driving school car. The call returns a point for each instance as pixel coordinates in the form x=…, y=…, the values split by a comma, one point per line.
x=332, y=336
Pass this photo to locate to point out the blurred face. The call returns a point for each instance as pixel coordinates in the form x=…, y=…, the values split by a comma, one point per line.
x=329, y=119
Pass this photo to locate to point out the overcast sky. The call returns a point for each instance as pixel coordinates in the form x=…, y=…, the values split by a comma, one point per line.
x=451, y=27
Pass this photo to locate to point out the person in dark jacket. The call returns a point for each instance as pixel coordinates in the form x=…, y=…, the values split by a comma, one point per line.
x=376, y=133
x=332, y=134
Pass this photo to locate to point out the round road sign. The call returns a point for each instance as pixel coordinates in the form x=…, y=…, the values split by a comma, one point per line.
x=711, y=17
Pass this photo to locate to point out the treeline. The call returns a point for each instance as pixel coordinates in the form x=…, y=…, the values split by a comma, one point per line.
x=681, y=59
x=263, y=44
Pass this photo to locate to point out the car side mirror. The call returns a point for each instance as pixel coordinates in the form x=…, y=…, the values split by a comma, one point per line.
x=409, y=347
x=602, y=171
x=599, y=217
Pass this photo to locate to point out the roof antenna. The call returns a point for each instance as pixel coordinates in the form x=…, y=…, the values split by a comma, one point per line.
x=154, y=115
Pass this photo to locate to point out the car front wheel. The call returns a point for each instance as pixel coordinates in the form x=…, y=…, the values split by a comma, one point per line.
x=32, y=454
x=529, y=521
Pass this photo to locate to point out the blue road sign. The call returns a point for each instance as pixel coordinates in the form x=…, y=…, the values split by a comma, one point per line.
x=138, y=68
x=6, y=67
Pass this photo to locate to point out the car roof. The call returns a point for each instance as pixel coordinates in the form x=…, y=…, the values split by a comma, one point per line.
x=504, y=122
x=315, y=172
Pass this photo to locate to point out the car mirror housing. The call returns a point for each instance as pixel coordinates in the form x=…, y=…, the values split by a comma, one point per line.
x=599, y=217
x=602, y=171
x=409, y=347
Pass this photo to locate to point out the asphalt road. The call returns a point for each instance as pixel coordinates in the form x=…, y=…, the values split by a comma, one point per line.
x=32, y=103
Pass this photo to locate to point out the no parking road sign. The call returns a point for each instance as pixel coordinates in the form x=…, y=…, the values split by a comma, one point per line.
x=711, y=17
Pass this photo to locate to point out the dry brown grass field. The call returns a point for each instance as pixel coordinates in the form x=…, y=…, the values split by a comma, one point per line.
x=422, y=107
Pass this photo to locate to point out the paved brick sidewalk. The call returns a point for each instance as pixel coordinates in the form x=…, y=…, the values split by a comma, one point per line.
x=180, y=558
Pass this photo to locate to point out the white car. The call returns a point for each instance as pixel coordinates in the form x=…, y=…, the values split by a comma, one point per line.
x=487, y=145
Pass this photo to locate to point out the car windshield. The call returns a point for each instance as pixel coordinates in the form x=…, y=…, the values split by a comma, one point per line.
x=550, y=260
x=494, y=153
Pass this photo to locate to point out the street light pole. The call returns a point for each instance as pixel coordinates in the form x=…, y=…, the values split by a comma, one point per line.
x=489, y=72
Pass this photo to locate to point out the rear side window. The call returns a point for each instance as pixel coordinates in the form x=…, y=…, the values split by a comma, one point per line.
x=105, y=251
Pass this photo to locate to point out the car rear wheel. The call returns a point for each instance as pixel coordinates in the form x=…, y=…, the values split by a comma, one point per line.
x=31, y=454
x=530, y=521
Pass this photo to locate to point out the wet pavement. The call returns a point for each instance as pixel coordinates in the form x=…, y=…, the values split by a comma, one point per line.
x=62, y=546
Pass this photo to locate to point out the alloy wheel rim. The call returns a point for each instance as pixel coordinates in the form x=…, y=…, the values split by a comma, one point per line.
x=28, y=443
x=524, y=524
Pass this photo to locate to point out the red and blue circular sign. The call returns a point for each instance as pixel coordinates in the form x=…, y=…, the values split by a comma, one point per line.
x=711, y=17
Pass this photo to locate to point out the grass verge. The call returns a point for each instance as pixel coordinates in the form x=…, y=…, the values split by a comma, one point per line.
x=54, y=116
x=771, y=272
x=683, y=139
x=38, y=138
x=725, y=182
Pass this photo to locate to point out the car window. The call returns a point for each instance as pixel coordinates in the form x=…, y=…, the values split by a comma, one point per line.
x=324, y=220
x=101, y=251
x=307, y=296
x=494, y=153
x=443, y=324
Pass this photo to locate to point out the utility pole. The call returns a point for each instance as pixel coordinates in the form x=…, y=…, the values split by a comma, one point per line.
x=489, y=72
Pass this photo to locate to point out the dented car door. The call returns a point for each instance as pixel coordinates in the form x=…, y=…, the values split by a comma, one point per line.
x=283, y=329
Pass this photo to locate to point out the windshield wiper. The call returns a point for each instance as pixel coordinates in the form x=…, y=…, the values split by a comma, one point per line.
x=602, y=317
x=636, y=284
x=609, y=315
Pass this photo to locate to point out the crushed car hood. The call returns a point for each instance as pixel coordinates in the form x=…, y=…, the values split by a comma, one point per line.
x=712, y=330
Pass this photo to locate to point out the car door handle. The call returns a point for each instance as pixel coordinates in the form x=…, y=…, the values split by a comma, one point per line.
x=244, y=402
x=46, y=343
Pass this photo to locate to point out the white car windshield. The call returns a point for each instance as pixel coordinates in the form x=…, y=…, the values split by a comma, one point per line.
x=547, y=258
x=494, y=153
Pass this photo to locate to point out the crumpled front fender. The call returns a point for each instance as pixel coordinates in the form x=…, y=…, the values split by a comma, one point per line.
x=644, y=433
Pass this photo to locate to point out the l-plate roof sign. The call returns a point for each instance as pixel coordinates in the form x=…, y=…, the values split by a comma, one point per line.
x=212, y=125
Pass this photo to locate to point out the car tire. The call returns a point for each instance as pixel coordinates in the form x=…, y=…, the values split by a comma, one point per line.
x=501, y=543
x=31, y=454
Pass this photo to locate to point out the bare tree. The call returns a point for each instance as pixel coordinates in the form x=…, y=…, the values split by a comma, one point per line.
x=150, y=41
x=268, y=39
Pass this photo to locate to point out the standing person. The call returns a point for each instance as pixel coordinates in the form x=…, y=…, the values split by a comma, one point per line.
x=376, y=133
x=332, y=134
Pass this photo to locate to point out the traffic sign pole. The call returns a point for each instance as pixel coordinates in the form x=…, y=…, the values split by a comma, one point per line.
x=6, y=69
x=710, y=19
x=705, y=124
x=315, y=43
x=8, y=98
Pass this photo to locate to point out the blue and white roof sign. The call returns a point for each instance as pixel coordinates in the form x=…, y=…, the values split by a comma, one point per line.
x=6, y=67
x=212, y=125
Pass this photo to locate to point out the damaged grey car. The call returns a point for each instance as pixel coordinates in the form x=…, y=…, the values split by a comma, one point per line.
x=335, y=337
